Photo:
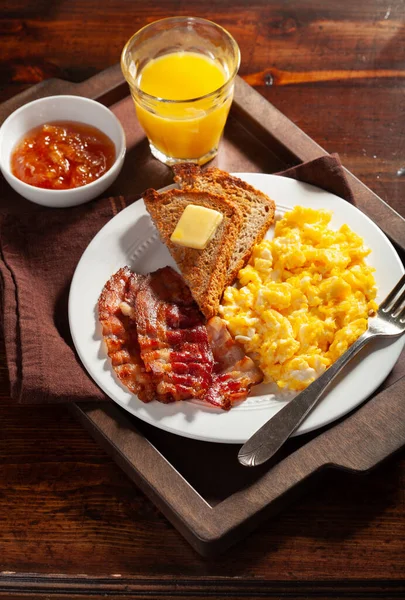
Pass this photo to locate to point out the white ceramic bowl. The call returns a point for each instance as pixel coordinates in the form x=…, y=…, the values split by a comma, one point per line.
x=61, y=108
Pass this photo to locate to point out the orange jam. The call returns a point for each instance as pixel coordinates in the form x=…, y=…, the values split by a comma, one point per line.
x=62, y=155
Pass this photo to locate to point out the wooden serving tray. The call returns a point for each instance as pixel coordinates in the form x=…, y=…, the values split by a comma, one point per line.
x=200, y=486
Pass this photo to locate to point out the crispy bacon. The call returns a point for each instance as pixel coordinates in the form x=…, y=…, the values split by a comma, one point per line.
x=160, y=346
x=234, y=372
x=120, y=332
x=172, y=337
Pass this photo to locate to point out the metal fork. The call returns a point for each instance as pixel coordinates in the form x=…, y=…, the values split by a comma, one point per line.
x=388, y=322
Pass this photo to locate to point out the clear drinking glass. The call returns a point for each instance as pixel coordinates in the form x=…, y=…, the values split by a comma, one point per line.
x=186, y=130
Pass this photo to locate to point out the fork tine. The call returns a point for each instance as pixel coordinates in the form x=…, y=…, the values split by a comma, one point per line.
x=387, y=303
x=398, y=304
x=398, y=307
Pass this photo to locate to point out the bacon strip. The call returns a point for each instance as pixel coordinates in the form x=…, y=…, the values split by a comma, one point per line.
x=234, y=372
x=172, y=337
x=120, y=332
x=160, y=346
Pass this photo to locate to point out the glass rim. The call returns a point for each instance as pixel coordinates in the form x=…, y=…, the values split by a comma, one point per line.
x=150, y=97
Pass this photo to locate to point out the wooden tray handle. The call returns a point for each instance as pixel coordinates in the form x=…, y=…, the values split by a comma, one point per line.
x=366, y=438
x=107, y=87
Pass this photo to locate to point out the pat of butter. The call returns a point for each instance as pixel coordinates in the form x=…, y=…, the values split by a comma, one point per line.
x=196, y=227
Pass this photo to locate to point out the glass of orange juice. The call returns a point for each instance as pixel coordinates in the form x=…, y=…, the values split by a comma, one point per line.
x=181, y=73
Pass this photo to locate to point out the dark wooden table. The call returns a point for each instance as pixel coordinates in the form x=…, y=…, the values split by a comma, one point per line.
x=71, y=523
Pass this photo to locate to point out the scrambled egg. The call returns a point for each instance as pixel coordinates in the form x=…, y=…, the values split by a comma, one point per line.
x=303, y=299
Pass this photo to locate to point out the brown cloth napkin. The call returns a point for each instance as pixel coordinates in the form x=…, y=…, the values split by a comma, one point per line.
x=325, y=172
x=39, y=250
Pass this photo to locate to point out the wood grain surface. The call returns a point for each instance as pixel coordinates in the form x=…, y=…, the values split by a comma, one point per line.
x=70, y=520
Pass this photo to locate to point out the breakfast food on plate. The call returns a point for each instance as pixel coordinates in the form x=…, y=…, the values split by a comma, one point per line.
x=160, y=346
x=299, y=300
x=119, y=332
x=234, y=371
x=204, y=271
x=196, y=227
x=257, y=208
x=207, y=263
x=172, y=337
x=303, y=299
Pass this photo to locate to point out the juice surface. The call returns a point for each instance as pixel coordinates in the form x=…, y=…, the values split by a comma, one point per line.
x=185, y=130
x=181, y=76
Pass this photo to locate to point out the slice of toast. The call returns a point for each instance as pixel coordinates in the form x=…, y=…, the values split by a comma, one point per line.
x=204, y=271
x=257, y=208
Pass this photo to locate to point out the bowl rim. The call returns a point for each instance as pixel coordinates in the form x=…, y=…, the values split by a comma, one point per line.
x=69, y=191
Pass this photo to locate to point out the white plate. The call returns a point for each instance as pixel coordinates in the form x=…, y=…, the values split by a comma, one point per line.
x=117, y=244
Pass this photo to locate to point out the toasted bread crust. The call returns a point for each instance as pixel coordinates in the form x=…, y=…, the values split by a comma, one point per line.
x=257, y=208
x=185, y=174
x=204, y=271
